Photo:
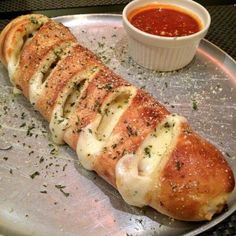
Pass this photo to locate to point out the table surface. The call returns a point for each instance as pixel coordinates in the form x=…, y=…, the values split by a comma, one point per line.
x=222, y=33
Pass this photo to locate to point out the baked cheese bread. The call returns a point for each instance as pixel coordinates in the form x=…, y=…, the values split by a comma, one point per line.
x=151, y=156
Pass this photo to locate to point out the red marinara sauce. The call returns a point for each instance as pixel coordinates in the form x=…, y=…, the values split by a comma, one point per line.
x=164, y=20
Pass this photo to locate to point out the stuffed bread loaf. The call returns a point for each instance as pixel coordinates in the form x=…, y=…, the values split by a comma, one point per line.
x=151, y=156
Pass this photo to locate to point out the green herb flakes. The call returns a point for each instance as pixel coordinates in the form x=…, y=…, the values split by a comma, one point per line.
x=61, y=188
x=194, y=105
x=147, y=151
x=179, y=165
x=36, y=173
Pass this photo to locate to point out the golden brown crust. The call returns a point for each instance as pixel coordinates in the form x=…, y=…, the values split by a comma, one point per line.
x=195, y=174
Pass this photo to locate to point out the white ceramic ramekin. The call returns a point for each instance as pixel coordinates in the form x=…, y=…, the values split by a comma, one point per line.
x=164, y=53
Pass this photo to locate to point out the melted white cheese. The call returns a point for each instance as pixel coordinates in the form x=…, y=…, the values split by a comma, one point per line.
x=134, y=171
x=11, y=67
x=88, y=146
x=130, y=184
x=57, y=125
x=16, y=91
x=158, y=144
x=113, y=109
x=39, y=79
x=63, y=107
x=36, y=82
x=35, y=87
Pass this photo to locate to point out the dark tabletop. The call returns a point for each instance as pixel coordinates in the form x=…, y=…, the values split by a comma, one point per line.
x=222, y=33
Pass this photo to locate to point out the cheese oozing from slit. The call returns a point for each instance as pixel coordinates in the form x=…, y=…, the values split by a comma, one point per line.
x=112, y=112
x=38, y=80
x=67, y=103
x=93, y=138
x=134, y=172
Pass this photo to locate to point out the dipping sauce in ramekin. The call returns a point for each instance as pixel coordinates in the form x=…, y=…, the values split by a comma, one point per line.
x=165, y=20
x=164, y=35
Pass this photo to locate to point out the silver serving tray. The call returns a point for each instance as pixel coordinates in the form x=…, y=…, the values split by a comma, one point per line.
x=43, y=188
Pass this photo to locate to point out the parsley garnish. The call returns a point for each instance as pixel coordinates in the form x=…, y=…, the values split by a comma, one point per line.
x=44, y=191
x=179, y=165
x=61, y=188
x=147, y=151
x=32, y=176
x=194, y=105
x=34, y=20
x=131, y=132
